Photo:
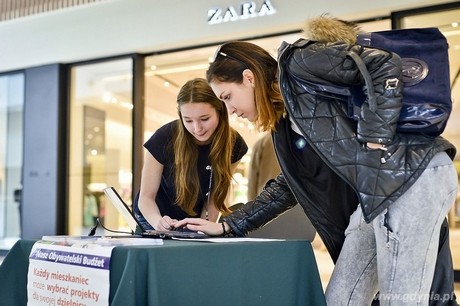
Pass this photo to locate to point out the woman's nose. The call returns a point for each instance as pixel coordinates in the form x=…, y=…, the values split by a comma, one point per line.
x=231, y=110
x=197, y=126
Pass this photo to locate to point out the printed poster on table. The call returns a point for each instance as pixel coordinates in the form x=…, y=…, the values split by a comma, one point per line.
x=68, y=274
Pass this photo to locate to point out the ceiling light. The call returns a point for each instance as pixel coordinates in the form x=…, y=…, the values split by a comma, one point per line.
x=178, y=69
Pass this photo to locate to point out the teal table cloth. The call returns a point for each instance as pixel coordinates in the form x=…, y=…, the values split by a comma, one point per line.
x=194, y=273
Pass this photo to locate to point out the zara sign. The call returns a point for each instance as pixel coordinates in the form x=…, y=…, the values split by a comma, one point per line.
x=245, y=11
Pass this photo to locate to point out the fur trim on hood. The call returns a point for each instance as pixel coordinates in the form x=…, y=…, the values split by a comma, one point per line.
x=326, y=28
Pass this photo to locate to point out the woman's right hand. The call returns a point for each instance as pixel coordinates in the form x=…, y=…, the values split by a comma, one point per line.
x=201, y=225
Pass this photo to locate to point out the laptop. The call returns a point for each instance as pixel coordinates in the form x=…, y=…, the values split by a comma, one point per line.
x=134, y=225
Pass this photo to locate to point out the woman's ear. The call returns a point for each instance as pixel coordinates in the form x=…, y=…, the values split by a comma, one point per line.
x=249, y=76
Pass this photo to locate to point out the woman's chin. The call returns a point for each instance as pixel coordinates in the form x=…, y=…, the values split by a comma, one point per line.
x=202, y=141
x=252, y=118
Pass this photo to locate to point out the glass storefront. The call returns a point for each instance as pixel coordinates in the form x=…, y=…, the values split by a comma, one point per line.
x=166, y=73
x=100, y=142
x=11, y=148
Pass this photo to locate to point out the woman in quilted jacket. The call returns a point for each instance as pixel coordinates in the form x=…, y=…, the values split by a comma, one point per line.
x=376, y=197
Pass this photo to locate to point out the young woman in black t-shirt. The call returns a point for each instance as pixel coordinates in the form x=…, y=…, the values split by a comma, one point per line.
x=189, y=162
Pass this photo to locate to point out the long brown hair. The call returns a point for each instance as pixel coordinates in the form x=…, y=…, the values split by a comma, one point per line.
x=232, y=59
x=186, y=150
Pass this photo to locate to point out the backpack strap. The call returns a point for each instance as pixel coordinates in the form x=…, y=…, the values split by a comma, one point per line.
x=367, y=80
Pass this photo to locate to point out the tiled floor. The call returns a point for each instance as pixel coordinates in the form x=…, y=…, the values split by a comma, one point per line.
x=325, y=264
x=455, y=246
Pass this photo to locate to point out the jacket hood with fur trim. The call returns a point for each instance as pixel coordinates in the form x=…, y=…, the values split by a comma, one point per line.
x=330, y=29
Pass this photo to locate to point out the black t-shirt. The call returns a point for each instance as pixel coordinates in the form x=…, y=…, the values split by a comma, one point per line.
x=160, y=145
x=325, y=189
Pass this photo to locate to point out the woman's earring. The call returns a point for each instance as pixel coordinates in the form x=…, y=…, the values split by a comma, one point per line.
x=253, y=86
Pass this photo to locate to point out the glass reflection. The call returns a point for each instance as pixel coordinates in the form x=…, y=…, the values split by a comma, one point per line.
x=100, y=143
x=11, y=144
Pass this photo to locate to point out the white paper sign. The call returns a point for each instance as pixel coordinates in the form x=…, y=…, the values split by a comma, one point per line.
x=77, y=274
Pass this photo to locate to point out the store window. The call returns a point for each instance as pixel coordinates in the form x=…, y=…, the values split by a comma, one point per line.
x=100, y=142
x=11, y=144
x=166, y=73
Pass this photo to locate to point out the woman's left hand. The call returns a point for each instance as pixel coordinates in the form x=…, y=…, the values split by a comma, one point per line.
x=376, y=146
x=200, y=225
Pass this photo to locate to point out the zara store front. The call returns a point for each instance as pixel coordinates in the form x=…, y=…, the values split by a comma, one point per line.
x=76, y=111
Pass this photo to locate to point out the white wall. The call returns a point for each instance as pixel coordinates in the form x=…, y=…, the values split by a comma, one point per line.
x=127, y=26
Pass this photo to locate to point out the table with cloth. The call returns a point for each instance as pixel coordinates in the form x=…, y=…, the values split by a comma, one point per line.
x=193, y=273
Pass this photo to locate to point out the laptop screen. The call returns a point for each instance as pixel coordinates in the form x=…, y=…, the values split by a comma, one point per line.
x=122, y=208
x=128, y=216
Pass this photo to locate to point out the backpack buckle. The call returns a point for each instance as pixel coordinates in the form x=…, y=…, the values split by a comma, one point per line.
x=391, y=83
